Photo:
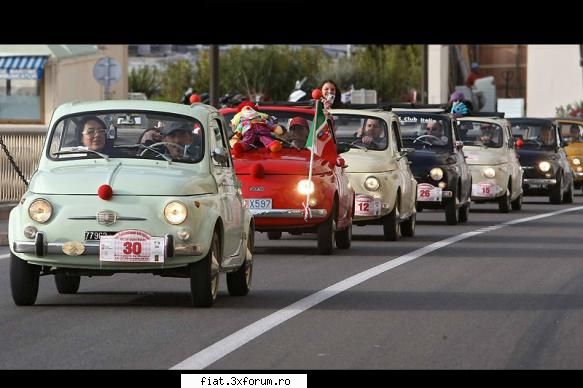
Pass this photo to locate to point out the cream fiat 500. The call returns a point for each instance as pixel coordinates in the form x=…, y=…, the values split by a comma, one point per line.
x=491, y=155
x=378, y=170
x=132, y=186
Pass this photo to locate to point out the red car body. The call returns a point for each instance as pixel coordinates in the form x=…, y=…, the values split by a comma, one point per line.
x=266, y=175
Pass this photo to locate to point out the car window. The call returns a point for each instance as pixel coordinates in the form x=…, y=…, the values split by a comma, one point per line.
x=425, y=131
x=363, y=131
x=127, y=134
x=480, y=133
x=535, y=134
x=572, y=132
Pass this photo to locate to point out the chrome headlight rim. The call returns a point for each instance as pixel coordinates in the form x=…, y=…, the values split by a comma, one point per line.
x=175, y=212
x=40, y=217
x=544, y=166
x=306, y=186
x=372, y=183
x=576, y=161
x=489, y=172
x=436, y=173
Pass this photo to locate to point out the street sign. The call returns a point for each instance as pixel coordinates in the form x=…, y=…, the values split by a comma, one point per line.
x=107, y=71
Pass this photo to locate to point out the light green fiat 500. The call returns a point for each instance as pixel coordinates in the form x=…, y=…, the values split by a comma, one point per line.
x=491, y=155
x=133, y=186
x=378, y=170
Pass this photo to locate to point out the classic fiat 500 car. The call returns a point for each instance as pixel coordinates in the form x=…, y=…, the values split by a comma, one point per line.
x=133, y=186
x=438, y=164
x=543, y=159
x=378, y=170
x=491, y=154
x=275, y=185
x=572, y=132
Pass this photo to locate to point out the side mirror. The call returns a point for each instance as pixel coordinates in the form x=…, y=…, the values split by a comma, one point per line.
x=459, y=145
x=340, y=162
x=341, y=148
x=220, y=156
x=519, y=142
x=404, y=152
x=565, y=142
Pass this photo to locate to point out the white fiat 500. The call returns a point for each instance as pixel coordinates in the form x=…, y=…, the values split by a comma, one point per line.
x=378, y=170
x=132, y=186
x=491, y=155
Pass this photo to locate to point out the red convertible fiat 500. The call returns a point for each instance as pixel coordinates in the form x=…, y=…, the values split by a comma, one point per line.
x=275, y=184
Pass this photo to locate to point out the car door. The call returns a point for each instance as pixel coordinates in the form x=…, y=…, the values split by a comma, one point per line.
x=406, y=180
x=231, y=201
x=563, y=160
x=512, y=156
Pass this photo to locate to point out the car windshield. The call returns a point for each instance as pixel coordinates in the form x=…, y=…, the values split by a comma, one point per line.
x=535, y=134
x=572, y=132
x=479, y=133
x=295, y=125
x=425, y=131
x=361, y=131
x=131, y=134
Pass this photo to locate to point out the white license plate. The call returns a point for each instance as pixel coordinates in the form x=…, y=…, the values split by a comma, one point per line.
x=367, y=206
x=486, y=190
x=258, y=203
x=132, y=246
x=428, y=193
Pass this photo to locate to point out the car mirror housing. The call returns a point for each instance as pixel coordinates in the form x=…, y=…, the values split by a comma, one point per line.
x=220, y=156
x=341, y=148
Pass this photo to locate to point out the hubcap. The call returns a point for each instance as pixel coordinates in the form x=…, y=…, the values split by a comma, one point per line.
x=214, y=274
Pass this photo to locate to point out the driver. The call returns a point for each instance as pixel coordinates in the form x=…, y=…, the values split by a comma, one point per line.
x=488, y=137
x=546, y=136
x=372, y=133
x=176, y=136
x=434, y=128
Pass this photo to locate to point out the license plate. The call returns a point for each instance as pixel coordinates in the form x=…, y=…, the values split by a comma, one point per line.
x=367, y=206
x=94, y=235
x=428, y=193
x=258, y=203
x=134, y=246
x=487, y=190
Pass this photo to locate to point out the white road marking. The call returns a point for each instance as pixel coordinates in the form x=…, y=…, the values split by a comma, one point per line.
x=4, y=256
x=227, y=345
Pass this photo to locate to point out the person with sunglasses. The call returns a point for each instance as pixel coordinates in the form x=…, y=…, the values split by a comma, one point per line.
x=93, y=134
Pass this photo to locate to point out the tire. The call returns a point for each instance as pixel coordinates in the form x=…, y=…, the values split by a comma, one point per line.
x=556, y=193
x=275, y=235
x=408, y=227
x=344, y=237
x=239, y=282
x=568, y=195
x=67, y=284
x=392, y=224
x=326, y=235
x=204, y=276
x=504, y=204
x=23, y=281
x=464, y=211
x=451, y=214
x=517, y=203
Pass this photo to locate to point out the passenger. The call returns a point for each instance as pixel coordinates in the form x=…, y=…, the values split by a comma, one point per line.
x=575, y=134
x=331, y=95
x=93, y=134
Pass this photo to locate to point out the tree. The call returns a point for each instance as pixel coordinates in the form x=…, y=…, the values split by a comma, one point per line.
x=176, y=78
x=145, y=80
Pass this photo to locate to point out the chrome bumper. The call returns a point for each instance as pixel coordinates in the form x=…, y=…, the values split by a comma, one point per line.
x=40, y=248
x=550, y=181
x=287, y=213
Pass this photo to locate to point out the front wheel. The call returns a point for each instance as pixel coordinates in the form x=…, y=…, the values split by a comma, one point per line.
x=517, y=203
x=504, y=204
x=274, y=235
x=23, y=281
x=451, y=213
x=556, y=192
x=568, y=195
x=204, y=276
x=408, y=227
x=344, y=237
x=326, y=235
x=392, y=224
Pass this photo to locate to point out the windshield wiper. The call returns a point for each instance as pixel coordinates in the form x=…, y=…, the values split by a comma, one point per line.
x=143, y=146
x=352, y=145
x=82, y=150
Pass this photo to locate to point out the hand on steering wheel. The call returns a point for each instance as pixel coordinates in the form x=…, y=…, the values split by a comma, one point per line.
x=166, y=143
x=419, y=139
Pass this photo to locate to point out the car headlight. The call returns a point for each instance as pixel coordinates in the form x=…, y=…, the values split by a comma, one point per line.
x=305, y=187
x=489, y=172
x=436, y=173
x=175, y=213
x=544, y=166
x=40, y=210
x=576, y=161
x=372, y=183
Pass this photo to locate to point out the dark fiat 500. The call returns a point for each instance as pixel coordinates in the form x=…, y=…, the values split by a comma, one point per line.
x=543, y=159
x=438, y=164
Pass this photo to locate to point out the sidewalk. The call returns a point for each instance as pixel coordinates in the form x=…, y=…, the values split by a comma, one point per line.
x=4, y=214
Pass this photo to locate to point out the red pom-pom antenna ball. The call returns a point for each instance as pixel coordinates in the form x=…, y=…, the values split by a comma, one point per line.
x=316, y=94
x=194, y=98
x=105, y=192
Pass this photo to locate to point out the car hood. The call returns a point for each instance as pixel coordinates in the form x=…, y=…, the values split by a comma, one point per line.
x=369, y=161
x=480, y=155
x=532, y=157
x=163, y=180
x=422, y=160
x=277, y=164
x=574, y=149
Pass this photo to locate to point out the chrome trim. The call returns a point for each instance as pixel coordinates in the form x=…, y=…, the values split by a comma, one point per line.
x=287, y=213
x=541, y=181
x=120, y=218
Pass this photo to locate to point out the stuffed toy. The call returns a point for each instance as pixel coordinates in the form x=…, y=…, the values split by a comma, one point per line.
x=251, y=126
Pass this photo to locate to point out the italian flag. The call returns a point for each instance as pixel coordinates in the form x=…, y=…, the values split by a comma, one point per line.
x=318, y=125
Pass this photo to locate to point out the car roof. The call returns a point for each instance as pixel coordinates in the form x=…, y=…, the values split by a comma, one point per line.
x=382, y=114
x=534, y=120
x=492, y=120
x=260, y=108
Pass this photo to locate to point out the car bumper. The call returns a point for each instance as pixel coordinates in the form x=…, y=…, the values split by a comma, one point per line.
x=539, y=181
x=287, y=213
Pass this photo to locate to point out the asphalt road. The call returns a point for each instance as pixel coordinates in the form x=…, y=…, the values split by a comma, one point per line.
x=507, y=297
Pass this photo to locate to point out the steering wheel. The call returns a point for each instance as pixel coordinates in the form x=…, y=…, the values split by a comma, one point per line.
x=164, y=143
x=419, y=139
